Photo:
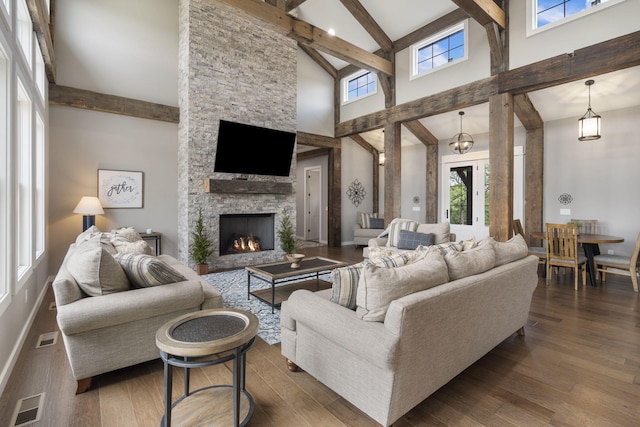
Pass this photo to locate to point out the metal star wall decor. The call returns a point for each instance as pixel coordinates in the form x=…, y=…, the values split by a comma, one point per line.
x=356, y=192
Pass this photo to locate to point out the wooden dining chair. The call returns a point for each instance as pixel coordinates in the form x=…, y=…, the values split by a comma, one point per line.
x=540, y=252
x=562, y=251
x=623, y=265
x=588, y=226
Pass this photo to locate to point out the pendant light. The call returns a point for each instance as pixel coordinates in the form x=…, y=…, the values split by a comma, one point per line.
x=461, y=142
x=589, y=124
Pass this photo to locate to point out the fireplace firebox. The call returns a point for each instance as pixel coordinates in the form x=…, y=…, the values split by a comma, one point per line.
x=246, y=233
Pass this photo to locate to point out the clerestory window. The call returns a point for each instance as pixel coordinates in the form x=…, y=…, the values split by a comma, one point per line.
x=446, y=47
x=358, y=86
x=549, y=11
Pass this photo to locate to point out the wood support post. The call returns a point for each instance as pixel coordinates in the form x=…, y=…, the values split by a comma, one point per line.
x=501, y=165
x=392, y=181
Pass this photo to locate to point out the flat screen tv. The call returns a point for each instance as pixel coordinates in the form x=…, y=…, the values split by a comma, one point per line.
x=247, y=149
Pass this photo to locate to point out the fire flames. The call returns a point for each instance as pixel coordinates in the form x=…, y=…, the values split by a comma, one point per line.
x=246, y=244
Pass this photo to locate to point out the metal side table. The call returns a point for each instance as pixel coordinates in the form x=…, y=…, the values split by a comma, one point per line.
x=200, y=339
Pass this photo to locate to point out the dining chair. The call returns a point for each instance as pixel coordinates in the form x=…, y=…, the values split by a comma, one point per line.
x=587, y=226
x=623, y=265
x=562, y=250
x=538, y=251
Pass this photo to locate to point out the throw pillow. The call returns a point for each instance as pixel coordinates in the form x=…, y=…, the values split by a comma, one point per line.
x=87, y=234
x=379, y=286
x=381, y=251
x=468, y=263
x=470, y=243
x=441, y=230
x=95, y=270
x=412, y=239
x=511, y=250
x=128, y=233
x=446, y=248
x=128, y=247
x=345, y=279
x=365, y=218
x=376, y=223
x=145, y=270
x=394, y=230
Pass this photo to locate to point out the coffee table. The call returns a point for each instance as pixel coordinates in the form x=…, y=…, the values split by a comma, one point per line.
x=277, y=273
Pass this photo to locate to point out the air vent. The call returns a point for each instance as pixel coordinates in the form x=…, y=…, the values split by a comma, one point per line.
x=45, y=340
x=28, y=410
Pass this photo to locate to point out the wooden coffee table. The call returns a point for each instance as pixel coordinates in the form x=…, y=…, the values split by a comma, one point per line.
x=277, y=273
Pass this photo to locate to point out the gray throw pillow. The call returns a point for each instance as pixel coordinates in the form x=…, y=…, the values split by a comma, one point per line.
x=412, y=239
x=377, y=223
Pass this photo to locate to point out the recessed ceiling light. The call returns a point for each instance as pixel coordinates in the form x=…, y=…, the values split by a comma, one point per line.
x=331, y=32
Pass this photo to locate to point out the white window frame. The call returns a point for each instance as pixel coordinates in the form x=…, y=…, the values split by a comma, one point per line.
x=532, y=16
x=5, y=174
x=345, y=87
x=23, y=211
x=39, y=186
x=5, y=12
x=39, y=74
x=463, y=25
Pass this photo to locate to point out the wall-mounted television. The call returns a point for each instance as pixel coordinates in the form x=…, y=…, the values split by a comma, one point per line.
x=247, y=149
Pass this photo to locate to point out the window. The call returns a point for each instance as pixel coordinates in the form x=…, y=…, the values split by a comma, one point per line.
x=23, y=243
x=24, y=30
x=359, y=85
x=442, y=49
x=550, y=11
x=40, y=75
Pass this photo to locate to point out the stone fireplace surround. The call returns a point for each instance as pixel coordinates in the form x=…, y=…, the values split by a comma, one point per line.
x=230, y=67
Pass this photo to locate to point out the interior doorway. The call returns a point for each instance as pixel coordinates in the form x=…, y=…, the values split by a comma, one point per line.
x=312, y=203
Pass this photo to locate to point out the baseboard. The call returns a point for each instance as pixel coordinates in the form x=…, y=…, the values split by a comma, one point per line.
x=17, y=348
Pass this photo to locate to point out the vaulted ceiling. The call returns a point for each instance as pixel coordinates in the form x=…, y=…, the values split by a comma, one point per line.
x=369, y=24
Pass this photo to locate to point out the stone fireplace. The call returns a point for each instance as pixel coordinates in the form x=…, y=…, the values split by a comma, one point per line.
x=245, y=233
x=239, y=70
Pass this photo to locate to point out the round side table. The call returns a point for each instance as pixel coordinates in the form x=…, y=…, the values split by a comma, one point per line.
x=205, y=338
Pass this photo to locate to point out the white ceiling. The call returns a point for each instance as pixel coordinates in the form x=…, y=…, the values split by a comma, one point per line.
x=397, y=18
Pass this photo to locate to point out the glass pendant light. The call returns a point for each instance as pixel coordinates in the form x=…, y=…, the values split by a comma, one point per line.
x=589, y=124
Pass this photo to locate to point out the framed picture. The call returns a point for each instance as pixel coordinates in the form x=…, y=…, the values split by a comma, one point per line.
x=120, y=189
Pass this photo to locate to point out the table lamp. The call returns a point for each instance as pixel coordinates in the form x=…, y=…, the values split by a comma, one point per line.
x=89, y=207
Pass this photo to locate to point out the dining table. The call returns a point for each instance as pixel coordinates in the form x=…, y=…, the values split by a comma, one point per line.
x=590, y=245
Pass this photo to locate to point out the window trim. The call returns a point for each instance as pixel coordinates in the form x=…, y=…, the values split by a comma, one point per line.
x=413, y=65
x=23, y=199
x=532, y=9
x=344, y=86
x=6, y=127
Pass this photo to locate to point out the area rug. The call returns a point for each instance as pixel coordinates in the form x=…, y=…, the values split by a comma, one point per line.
x=233, y=287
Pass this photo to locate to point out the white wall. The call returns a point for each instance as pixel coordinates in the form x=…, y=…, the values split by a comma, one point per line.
x=121, y=48
x=315, y=97
x=601, y=175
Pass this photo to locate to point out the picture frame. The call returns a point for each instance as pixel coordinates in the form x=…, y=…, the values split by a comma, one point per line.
x=121, y=189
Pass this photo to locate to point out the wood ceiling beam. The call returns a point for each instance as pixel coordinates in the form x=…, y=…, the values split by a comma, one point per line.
x=368, y=23
x=320, y=60
x=484, y=11
x=312, y=154
x=359, y=139
x=292, y=4
x=467, y=95
x=421, y=132
x=41, y=28
x=526, y=112
x=312, y=36
x=88, y=100
x=611, y=55
x=319, y=141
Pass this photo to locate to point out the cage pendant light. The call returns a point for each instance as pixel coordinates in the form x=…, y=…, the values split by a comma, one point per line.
x=589, y=124
x=461, y=142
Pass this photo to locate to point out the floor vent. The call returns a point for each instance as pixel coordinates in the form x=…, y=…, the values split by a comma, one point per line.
x=45, y=340
x=52, y=306
x=28, y=410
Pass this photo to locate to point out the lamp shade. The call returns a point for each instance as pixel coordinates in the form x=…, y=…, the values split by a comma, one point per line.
x=89, y=206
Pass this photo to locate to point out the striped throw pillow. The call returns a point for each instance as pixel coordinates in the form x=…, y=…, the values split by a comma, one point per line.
x=345, y=279
x=145, y=271
x=365, y=219
x=395, y=227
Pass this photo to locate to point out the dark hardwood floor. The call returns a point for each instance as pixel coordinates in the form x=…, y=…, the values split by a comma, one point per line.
x=577, y=365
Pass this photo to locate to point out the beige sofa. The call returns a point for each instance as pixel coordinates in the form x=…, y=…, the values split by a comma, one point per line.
x=117, y=329
x=441, y=231
x=425, y=339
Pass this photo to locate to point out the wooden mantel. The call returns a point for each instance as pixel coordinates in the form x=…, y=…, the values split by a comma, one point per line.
x=237, y=186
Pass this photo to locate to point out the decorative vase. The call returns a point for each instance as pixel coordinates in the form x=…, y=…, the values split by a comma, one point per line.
x=295, y=259
x=202, y=269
